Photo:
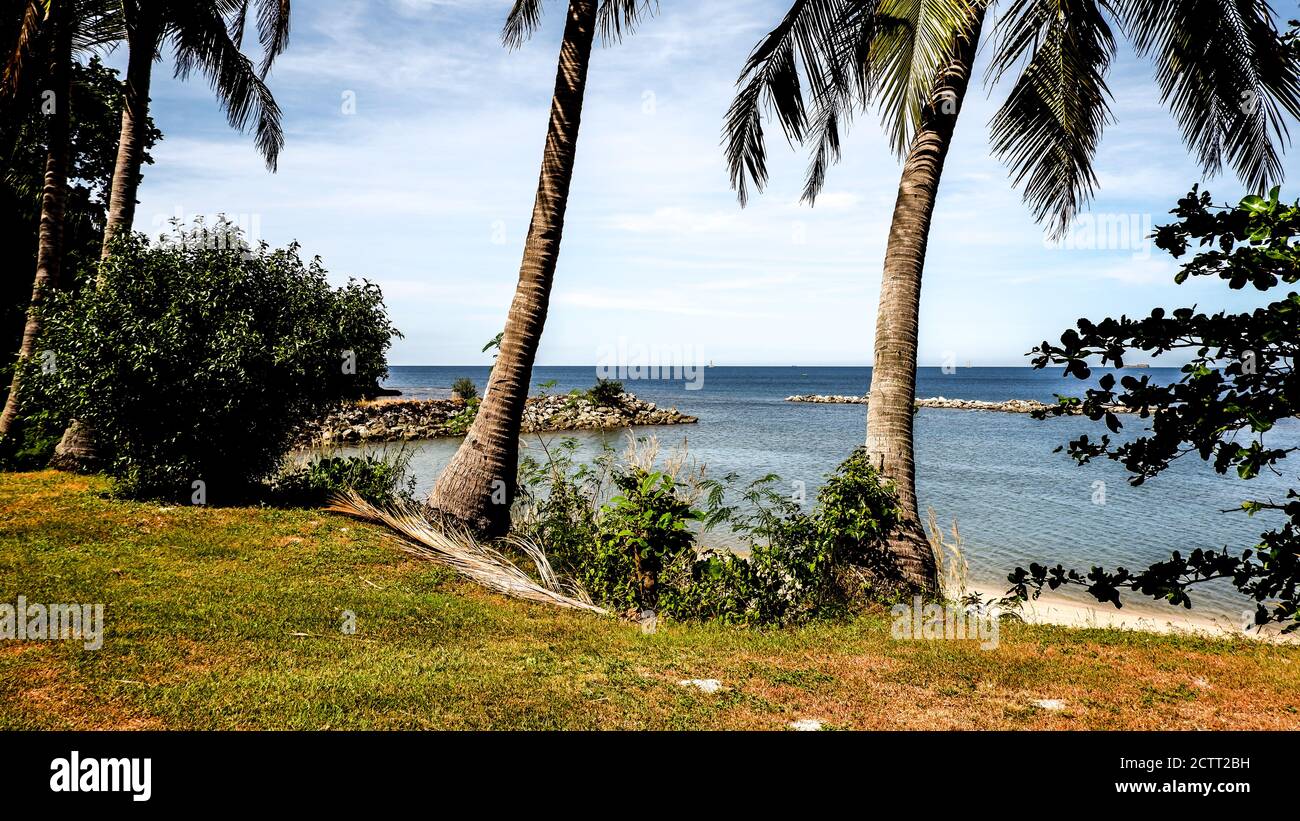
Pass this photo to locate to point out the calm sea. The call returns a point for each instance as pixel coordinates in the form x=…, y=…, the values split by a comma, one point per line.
x=1014, y=499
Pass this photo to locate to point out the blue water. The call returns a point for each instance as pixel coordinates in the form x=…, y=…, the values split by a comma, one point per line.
x=1014, y=500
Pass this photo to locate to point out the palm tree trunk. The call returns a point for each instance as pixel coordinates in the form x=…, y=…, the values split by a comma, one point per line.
x=49, y=250
x=142, y=36
x=77, y=450
x=891, y=408
x=478, y=486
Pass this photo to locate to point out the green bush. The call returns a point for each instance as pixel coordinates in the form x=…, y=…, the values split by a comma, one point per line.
x=560, y=504
x=800, y=565
x=196, y=358
x=459, y=423
x=637, y=549
x=464, y=388
x=606, y=392
x=648, y=525
x=377, y=478
x=39, y=430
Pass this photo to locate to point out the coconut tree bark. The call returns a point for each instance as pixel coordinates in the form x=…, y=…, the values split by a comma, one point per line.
x=890, y=408
x=142, y=39
x=478, y=486
x=49, y=250
x=76, y=449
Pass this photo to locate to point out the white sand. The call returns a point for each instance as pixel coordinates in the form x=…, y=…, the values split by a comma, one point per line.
x=1056, y=609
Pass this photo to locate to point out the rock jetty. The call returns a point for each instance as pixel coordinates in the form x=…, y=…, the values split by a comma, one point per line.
x=414, y=419
x=1009, y=406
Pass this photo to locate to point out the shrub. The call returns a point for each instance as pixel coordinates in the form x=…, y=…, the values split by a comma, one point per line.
x=800, y=565
x=855, y=512
x=464, y=389
x=606, y=392
x=458, y=424
x=196, y=358
x=377, y=478
x=560, y=504
x=648, y=525
x=637, y=549
x=40, y=427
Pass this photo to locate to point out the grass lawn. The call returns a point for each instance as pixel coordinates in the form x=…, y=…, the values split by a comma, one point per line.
x=232, y=619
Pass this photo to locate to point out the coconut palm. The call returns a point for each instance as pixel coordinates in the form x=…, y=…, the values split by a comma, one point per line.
x=1221, y=66
x=49, y=33
x=206, y=36
x=478, y=485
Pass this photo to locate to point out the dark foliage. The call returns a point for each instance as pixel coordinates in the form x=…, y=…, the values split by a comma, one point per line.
x=1240, y=382
x=196, y=358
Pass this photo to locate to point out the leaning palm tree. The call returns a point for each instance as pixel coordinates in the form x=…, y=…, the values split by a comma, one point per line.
x=206, y=36
x=478, y=485
x=1221, y=66
x=49, y=33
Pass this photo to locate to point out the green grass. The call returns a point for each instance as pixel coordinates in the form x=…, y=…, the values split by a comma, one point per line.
x=232, y=618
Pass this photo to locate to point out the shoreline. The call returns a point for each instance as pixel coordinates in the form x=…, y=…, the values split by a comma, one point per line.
x=1057, y=610
x=944, y=403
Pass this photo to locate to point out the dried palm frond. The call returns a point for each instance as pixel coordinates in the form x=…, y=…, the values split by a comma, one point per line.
x=414, y=534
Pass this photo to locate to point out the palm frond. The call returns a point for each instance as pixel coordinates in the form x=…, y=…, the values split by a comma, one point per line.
x=906, y=57
x=806, y=37
x=101, y=26
x=831, y=115
x=524, y=18
x=28, y=18
x=272, y=31
x=417, y=536
x=1048, y=129
x=614, y=18
x=272, y=26
x=238, y=15
x=846, y=85
x=203, y=42
x=1223, y=70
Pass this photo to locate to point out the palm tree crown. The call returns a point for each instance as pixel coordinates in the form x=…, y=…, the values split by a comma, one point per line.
x=1220, y=65
x=206, y=36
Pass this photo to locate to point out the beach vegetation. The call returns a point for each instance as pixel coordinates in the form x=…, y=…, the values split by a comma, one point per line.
x=464, y=389
x=1239, y=384
x=196, y=358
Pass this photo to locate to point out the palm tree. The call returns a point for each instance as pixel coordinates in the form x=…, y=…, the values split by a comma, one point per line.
x=478, y=485
x=206, y=36
x=50, y=31
x=1220, y=65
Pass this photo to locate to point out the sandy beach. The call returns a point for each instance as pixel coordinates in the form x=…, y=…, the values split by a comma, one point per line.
x=1147, y=616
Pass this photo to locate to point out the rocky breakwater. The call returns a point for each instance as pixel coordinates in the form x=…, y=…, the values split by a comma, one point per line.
x=414, y=419
x=1009, y=406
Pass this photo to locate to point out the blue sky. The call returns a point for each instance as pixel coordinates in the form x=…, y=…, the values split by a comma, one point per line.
x=427, y=189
